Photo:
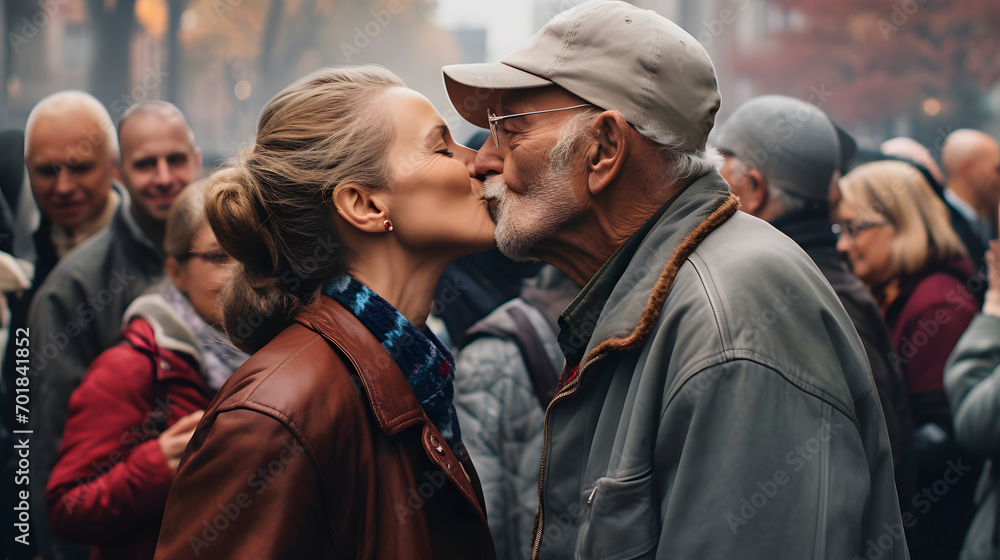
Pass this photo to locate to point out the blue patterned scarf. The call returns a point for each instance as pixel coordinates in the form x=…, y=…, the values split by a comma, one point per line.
x=427, y=363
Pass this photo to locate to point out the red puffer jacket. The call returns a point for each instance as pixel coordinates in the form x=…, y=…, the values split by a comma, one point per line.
x=110, y=482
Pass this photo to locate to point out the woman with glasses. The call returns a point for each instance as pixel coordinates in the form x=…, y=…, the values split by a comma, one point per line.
x=134, y=412
x=898, y=238
x=339, y=437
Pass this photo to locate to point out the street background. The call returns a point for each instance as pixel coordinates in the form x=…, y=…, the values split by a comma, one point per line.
x=881, y=68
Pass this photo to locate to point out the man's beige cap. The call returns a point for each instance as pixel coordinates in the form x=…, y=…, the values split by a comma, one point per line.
x=613, y=55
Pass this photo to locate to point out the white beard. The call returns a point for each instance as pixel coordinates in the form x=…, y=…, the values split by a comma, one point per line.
x=524, y=220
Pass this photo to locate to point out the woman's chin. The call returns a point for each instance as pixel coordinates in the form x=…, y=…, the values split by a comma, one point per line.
x=485, y=241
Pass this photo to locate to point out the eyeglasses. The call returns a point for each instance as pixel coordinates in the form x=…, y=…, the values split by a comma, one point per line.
x=493, y=119
x=852, y=230
x=215, y=258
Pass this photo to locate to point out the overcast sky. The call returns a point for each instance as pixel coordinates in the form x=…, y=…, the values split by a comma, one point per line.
x=508, y=25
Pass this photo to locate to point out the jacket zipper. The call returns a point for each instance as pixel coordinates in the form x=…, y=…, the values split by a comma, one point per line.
x=568, y=390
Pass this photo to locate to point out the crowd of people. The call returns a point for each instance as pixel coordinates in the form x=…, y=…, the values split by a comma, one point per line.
x=751, y=340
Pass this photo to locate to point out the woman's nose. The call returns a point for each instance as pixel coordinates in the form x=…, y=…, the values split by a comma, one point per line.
x=468, y=157
x=843, y=244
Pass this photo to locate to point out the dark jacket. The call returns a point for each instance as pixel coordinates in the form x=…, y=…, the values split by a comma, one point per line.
x=318, y=448
x=110, y=483
x=74, y=316
x=974, y=245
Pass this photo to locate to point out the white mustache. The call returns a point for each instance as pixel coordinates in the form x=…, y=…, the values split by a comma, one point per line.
x=495, y=187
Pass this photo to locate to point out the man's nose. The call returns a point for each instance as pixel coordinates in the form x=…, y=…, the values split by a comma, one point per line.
x=64, y=183
x=163, y=172
x=488, y=160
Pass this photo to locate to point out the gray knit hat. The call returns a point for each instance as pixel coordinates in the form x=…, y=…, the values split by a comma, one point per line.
x=790, y=141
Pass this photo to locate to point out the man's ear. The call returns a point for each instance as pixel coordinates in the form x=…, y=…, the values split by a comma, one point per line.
x=607, y=153
x=755, y=201
x=360, y=207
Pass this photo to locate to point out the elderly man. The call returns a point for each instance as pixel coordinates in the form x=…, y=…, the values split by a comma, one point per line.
x=70, y=152
x=971, y=160
x=781, y=156
x=716, y=401
x=77, y=312
x=908, y=148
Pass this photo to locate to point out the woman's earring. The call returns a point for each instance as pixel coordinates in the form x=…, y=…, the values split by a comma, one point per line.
x=388, y=225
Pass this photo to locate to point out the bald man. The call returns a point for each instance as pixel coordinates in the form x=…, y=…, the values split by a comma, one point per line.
x=77, y=312
x=159, y=159
x=70, y=153
x=908, y=148
x=971, y=160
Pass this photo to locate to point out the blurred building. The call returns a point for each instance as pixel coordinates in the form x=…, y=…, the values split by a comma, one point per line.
x=51, y=48
x=231, y=56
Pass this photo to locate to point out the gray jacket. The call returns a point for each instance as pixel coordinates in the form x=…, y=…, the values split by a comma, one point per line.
x=75, y=315
x=724, y=407
x=972, y=383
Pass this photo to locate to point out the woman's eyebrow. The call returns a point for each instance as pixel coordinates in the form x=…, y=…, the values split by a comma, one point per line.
x=437, y=133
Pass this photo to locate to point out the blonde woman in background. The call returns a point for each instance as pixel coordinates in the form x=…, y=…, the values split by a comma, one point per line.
x=897, y=235
x=139, y=402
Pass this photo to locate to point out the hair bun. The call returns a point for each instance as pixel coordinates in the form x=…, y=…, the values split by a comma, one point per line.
x=233, y=211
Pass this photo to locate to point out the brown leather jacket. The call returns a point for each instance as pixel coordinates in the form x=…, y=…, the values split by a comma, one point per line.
x=318, y=448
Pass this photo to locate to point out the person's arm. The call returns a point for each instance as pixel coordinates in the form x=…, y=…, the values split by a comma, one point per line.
x=110, y=476
x=750, y=466
x=972, y=377
x=246, y=489
x=62, y=348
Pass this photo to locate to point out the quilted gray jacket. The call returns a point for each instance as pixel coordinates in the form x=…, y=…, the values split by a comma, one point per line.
x=501, y=423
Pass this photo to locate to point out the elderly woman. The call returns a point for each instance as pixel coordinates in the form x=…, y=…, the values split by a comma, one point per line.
x=139, y=402
x=897, y=236
x=338, y=438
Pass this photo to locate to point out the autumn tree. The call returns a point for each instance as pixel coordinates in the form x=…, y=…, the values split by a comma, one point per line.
x=112, y=25
x=927, y=60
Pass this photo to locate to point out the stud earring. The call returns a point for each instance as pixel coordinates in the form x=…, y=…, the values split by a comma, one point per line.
x=388, y=225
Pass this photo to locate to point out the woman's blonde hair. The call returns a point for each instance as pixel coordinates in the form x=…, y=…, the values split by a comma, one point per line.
x=898, y=193
x=272, y=208
x=186, y=217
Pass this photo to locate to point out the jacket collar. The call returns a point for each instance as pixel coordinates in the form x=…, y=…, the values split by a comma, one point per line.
x=167, y=364
x=169, y=330
x=393, y=403
x=807, y=230
x=641, y=290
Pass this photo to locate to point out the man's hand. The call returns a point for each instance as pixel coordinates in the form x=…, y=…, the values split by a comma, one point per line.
x=174, y=439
